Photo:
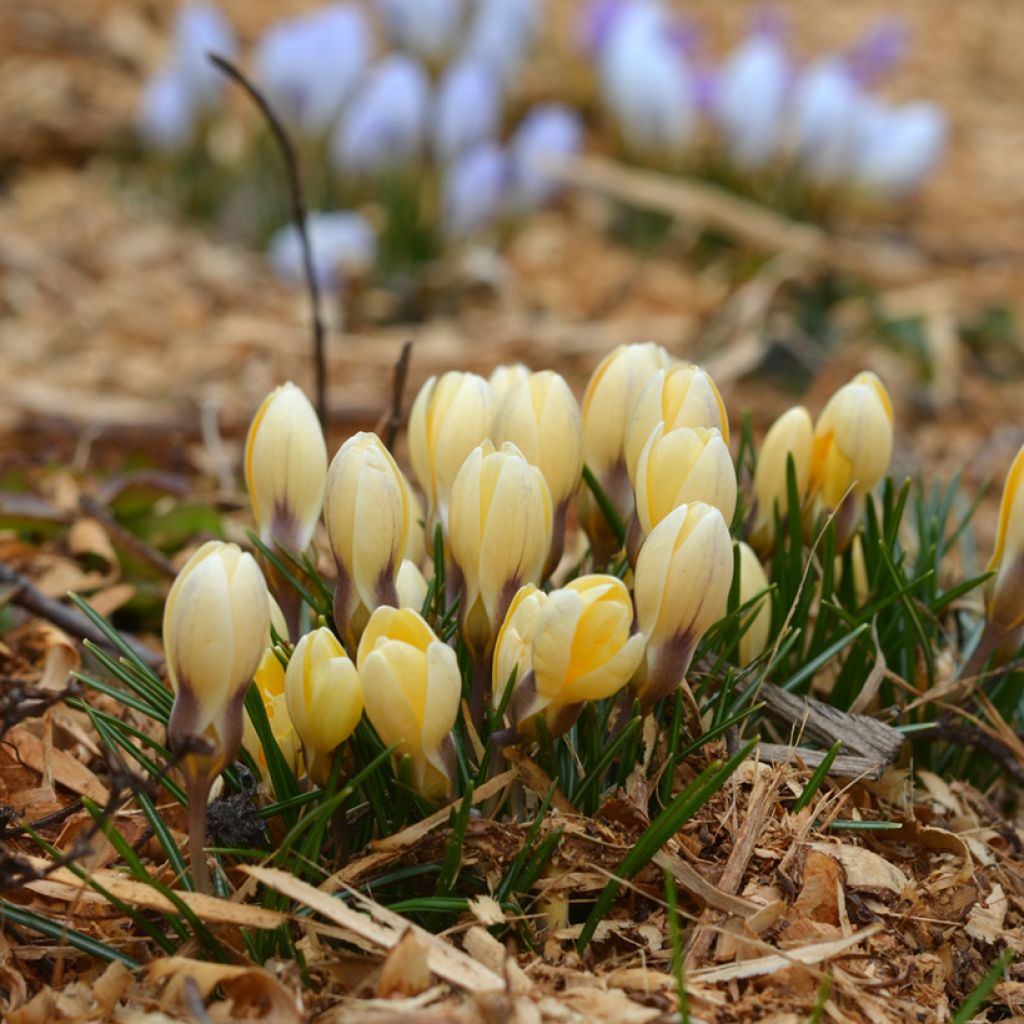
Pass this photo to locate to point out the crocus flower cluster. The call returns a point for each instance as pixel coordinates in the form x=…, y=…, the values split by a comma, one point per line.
x=525, y=637
x=410, y=106
x=760, y=110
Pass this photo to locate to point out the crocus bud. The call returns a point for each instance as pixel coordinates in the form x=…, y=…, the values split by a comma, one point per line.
x=367, y=515
x=501, y=34
x=548, y=133
x=682, y=396
x=823, y=121
x=309, y=65
x=166, y=119
x=383, y=127
x=412, y=689
x=411, y=586
x=325, y=699
x=582, y=649
x=750, y=99
x=852, y=448
x=342, y=244
x=474, y=190
x=898, y=147
x=607, y=406
x=499, y=533
x=285, y=468
x=513, y=649
x=269, y=680
x=467, y=110
x=541, y=417
x=754, y=582
x=791, y=435
x=504, y=378
x=682, y=581
x=450, y=416
x=647, y=85
x=216, y=625
x=428, y=28
x=679, y=467
x=1005, y=591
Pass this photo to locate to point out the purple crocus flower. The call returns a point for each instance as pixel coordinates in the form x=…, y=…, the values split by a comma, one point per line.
x=199, y=30
x=166, y=118
x=501, y=34
x=475, y=190
x=467, y=109
x=341, y=243
x=549, y=131
x=309, y=65
x=750, y=98
x=384, y=125
x=647, y=84
x=427, y=28
x=824, y=109
x=897, y=147
x=879, y=51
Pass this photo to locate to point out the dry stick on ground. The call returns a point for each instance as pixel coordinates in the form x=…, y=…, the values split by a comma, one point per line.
x=391, y=423
x=746, y=839
x=299, y=215
x=27, y=596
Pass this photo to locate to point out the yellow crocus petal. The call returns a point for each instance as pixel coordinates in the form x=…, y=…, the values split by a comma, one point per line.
x=1005, y=591
x=367, y=512
x=682, y=466
x=450, y=416
x=285, y=468
x=753, y=582
x=853, y=440
x=1010, y=534
x=504, y=378
x=681, y=396
x=512, y=650
x=683, y=574
x=411, y=586
x=269, y=676
x=540, y=415
x=443, y=698
x=791, y=435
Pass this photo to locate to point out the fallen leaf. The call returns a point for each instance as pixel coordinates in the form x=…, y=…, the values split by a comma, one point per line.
x=865, y=869
x=405, y=971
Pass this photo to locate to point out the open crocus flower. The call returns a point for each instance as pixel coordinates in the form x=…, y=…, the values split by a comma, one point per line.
x=582, y=648
x=412, y=688
x=215, y=629
x=682, y=581
x=607, y=406
x=449, y=418
x=325, y=699
x=367, y=511
x=310, y=64
x=790, y=436
x=499, y=534
x=852, y=447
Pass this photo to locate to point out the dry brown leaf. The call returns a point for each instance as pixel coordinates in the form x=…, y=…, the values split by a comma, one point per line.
x=88, y=537
x=405, y=971
x=255, y=993
x=986, y=920
x=818, y=900
x=66, y=770
x=61, y=659
x=864, y=869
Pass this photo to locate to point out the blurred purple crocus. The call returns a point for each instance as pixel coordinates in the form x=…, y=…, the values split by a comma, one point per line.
x=383, y=127
x=647, y=84
x=166, y=117
x=880, y=50
x=897, y=147
x=750, y=98
x=823, y=114
x=427, y=28
x=467, y=109
x=501, y=34
x=309, y=65
x=199, y=30
x=549, y=131
x=341, y=243
x=475, y=190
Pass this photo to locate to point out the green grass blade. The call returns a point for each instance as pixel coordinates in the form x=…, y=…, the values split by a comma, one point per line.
x=64, y=935
x=974, y=1002
x=815, y=781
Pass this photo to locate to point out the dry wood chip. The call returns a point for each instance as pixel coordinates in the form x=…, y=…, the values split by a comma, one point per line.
x=864, y=869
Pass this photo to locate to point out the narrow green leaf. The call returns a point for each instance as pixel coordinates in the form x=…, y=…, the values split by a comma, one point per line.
x=815, y=781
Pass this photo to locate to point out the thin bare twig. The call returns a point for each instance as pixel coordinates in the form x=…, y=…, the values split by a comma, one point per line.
x=27, y=596
x=391, y=423
x=299, y=215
